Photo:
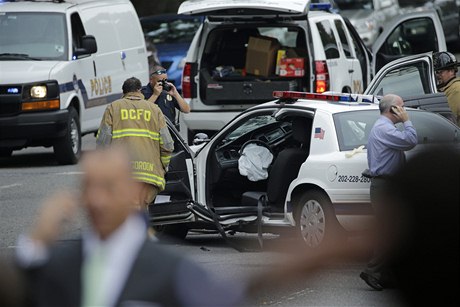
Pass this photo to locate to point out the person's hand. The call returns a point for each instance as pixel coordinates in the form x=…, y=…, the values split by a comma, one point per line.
x=173, y=91
x=401, y=114
x=55, y=212
x=157, y=89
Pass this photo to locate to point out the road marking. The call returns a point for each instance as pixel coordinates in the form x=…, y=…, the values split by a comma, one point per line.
x=12, y=246
x=10, y=186
x=70, y=173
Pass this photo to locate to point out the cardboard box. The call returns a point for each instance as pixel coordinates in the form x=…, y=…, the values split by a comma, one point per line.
x=292, y=67
x=260, y=55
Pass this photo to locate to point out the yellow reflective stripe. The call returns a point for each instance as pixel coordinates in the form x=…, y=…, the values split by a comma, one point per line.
x=157, y=180
x=134, y=134
x=132, y=130
x=116, y=134
x=166, y=159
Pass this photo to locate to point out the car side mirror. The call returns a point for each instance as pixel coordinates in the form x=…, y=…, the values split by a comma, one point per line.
x=200, y=138
x=88, y=46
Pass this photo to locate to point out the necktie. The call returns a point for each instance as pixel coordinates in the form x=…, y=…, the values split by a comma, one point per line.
x=93, y=278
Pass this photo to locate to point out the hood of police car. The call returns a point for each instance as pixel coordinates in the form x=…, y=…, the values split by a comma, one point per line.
x=18, y=72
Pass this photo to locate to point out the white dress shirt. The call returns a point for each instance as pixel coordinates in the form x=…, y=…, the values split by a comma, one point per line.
x=122, y=248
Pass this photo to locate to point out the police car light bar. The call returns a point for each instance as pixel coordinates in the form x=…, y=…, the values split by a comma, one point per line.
x=328, y=96
x=320, y=6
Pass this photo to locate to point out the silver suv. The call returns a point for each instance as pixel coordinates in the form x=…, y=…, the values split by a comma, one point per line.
x=368, y=16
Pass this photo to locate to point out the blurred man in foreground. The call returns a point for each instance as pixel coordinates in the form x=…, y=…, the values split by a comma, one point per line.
x=114, y=263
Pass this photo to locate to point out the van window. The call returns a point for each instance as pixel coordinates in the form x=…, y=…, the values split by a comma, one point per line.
x=353, y=128
x=343, y=38
x=405, y=80
x=78, y=31
x=411, y=37
x=227, y=46
x=328, y=38
x=286, y=36
x=33, y=35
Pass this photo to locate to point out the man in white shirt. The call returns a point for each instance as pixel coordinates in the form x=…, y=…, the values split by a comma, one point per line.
x=114, y=262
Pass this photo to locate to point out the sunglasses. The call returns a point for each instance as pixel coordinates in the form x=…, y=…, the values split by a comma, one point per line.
x=159, y=72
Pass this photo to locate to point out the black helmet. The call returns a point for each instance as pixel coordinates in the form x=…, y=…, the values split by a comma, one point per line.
x=444, y=60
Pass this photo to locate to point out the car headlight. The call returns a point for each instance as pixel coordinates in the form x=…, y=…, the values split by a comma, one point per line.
x=38, y=91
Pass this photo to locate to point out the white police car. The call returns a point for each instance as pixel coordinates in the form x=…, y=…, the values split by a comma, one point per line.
x=314, y=183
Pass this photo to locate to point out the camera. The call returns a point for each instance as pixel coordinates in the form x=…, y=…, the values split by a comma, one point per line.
x=165, y=85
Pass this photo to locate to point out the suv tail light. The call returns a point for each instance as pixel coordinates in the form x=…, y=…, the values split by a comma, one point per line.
x=321, y=77
x=188, y=80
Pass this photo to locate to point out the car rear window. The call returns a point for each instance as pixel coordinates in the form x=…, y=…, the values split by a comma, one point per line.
x=353, y=128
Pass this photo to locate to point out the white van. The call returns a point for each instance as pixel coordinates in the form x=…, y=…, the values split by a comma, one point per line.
x=61, y=63
x=333, y=55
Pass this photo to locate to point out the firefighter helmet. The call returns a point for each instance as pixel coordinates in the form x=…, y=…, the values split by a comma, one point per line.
x=444, y=60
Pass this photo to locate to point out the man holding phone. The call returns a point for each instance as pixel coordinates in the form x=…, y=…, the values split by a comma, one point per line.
x=165, y=95
x=385, y=154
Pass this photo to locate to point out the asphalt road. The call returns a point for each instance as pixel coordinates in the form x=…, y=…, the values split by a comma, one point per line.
x=30, y=175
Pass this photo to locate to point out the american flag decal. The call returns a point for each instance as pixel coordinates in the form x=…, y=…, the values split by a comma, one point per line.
x=319, y=133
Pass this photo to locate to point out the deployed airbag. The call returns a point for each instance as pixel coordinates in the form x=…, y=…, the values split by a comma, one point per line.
x=254, y=162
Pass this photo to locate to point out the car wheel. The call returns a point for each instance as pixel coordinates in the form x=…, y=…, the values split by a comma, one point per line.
x=171, y=231
x=68, y=148
x=316, y=223
x=5, y=153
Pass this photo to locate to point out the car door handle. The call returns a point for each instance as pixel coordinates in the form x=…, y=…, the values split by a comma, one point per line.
x=351, y=71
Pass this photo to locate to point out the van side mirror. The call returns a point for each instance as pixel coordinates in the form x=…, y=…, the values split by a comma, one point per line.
x=200, y=138
x=88, y=46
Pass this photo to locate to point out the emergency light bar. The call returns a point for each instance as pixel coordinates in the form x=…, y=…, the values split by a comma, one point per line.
x=320, y=6
x=331, y=96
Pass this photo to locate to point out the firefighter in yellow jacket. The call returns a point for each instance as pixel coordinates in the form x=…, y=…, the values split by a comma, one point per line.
x=446, y=68
x=139, y=126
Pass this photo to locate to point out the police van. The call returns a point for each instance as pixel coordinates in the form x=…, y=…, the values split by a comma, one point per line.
x=246, y=49
x=61, y=63
x=313, y=186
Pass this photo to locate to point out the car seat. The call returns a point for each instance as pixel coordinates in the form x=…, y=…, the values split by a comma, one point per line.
x=284, y=169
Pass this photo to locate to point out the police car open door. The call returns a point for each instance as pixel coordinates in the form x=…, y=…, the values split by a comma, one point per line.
x=180, y=186
x=408, y=34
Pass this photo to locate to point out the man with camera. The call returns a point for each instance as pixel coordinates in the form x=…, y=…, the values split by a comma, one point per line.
x=165, y=95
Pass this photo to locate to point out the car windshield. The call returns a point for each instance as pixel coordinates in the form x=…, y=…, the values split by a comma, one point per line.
x=32, y=36
x=353, y=128
x=171, y=31
x=355, y=4
x=250, y=125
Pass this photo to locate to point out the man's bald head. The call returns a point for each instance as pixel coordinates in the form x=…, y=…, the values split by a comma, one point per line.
x=388, y=101
x=108, y=189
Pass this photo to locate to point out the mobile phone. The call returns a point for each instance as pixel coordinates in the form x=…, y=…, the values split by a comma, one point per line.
x=392, y=109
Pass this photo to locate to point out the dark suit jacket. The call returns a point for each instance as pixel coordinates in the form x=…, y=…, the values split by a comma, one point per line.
x=158, y=277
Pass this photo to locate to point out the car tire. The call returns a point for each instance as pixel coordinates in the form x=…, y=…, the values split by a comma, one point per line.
x=316, y=224
x=171, y=231
x=5, y=153
x=68, y=148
